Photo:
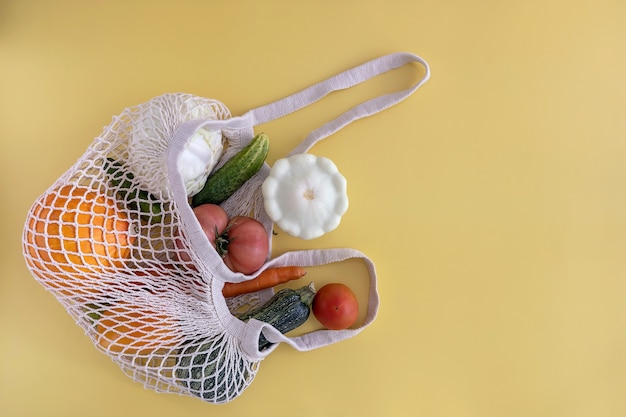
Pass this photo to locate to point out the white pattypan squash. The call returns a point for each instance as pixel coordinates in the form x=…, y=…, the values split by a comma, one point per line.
x=305, y=195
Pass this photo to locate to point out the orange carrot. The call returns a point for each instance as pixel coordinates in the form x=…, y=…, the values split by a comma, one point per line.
x=266, y=279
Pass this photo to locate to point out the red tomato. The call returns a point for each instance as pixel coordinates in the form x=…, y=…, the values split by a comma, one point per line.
x=335, y=306
x=213, y=220
x=244, y=245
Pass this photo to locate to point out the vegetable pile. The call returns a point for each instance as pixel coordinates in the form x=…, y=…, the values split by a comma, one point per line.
x=79, y=235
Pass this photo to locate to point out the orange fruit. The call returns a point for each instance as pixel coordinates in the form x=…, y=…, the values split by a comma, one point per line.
x=72, y=235
x=132, y=329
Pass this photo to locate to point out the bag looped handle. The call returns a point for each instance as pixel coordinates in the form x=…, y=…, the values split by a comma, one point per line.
x=314, y=93
x=342, y=81
x=317, y=338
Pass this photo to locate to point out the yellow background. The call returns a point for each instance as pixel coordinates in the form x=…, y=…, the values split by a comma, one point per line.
x=493, y=201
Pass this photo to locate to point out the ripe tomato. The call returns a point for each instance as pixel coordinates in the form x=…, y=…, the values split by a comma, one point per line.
x=244, y=245
x=213, y=220
x=335, y=306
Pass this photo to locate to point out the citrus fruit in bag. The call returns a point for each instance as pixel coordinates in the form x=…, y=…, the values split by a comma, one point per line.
x=136, y=329
x=73, y=235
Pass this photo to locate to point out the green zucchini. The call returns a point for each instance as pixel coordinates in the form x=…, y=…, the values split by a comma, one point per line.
x=285, y=311
x=202, y=369
x=210, y=373
x=149, y=207
x=234, y=173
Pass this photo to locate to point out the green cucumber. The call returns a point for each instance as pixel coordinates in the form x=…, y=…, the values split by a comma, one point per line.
x=234, y=173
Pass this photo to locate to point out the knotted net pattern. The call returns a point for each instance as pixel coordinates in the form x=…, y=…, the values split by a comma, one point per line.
x=106, y=239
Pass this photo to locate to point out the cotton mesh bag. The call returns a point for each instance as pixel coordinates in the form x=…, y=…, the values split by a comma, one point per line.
x=116, y=241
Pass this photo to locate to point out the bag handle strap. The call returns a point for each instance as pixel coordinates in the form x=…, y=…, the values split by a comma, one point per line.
x=310, y=95
x=317, y=338
x=341, y=81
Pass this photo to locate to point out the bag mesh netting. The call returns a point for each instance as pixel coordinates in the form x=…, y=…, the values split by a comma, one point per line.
x=107, y=240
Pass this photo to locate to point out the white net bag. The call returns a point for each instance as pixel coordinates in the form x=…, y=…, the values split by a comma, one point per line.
x=117, y=243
